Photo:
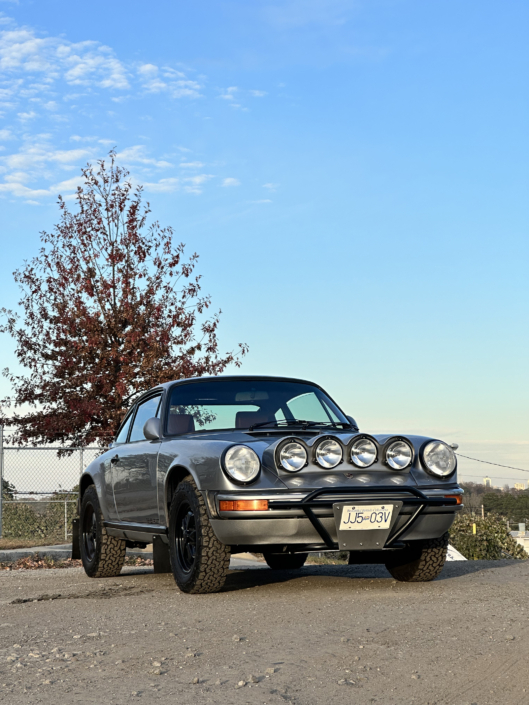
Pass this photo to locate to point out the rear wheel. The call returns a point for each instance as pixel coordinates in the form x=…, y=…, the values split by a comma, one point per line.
x=102, y=555
x=421, y=562
x=199, y=561
x=285, y=561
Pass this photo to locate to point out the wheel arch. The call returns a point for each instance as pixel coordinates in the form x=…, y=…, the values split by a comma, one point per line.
x=86, y=481
x=175, y=475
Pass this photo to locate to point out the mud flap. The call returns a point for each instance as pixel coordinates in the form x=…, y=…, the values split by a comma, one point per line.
x=76, y=550
x=160, y=554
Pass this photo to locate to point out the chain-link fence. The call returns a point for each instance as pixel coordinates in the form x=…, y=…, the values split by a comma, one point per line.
x=39, y=492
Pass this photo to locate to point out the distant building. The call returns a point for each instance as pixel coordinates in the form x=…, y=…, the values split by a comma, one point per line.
x=487, y=482
x=519, y=486
x=522, y=537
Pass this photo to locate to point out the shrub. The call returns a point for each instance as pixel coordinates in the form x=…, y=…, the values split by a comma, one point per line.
x=21, y=520
x=491, y=541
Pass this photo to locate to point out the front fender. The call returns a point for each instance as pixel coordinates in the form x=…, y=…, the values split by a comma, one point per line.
x=96, y=474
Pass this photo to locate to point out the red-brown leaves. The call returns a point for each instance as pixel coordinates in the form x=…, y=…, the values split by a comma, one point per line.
x=109, y=309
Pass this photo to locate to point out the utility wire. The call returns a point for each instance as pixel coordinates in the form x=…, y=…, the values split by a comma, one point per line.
x=510, y=467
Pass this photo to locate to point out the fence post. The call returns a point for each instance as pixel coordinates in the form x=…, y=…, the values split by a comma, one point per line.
x=65, y=521
x=482, y=511
x=81, y=468
x=1, y=474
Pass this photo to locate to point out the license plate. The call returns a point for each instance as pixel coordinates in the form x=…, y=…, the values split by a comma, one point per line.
x=364, y=517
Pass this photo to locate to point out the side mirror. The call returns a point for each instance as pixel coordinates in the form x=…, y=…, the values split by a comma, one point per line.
x=352, y=422
x=152, y=430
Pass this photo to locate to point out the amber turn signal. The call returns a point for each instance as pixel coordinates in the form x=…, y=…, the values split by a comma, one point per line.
x=243, y=505
x=457, y=497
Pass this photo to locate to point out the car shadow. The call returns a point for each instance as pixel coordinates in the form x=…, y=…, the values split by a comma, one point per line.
x=244, y=578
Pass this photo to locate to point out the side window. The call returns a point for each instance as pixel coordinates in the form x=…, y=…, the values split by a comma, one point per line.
x=122, y=436
x=145, y=411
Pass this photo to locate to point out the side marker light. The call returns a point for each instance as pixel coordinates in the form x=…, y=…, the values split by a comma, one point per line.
x=457, y=497
x=243, y=505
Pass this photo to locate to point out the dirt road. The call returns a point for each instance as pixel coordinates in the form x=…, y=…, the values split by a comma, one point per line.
x=324, y=634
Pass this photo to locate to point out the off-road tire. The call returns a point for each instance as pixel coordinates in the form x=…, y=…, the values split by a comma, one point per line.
x=421, y=562
x=207, y=572
x=108, y=556
x=285, y=561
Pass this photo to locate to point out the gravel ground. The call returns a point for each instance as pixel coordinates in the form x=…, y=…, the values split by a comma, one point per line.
x=324, y=634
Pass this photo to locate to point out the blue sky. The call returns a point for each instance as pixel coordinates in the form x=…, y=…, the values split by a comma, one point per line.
x=353, y=175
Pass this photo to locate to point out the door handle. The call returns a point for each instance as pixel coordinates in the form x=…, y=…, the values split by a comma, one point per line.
x=115, y=459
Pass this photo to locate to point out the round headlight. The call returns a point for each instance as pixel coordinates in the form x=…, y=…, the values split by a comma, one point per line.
x=363, y=452
x=242, y=463
x=293, y=456
x=329, y=454
x=439, y=459
x=398, y=455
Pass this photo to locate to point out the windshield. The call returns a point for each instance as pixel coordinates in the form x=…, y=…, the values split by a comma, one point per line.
x=242, y=404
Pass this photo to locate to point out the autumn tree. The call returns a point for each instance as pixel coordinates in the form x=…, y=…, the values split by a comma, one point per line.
x=110, y=307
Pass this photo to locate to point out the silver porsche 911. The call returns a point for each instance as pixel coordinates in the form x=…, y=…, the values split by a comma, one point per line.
x=207, y=467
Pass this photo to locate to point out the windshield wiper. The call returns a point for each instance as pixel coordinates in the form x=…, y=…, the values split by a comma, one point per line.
x=298, y=422
x=277, y=424
x=334, y=424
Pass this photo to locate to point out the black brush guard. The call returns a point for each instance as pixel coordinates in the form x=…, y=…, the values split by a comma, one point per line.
x=417, y=499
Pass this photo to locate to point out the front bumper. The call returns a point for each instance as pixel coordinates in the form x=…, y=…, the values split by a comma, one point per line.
x=296, y=519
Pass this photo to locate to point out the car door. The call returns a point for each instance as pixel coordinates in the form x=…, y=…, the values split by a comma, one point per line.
x=134, y=469
x=108, y=469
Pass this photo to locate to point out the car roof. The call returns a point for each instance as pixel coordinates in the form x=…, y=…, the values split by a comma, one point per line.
x=223, y=378
x=236, y=378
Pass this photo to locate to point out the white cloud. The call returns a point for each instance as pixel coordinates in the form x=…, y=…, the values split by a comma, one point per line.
x=258, y=94
x=163, y=185
x=229, y=93
x=137, y=154
x=83, y=63
x=191, y=165
x=6, y=134
x=271, y=187
x=262, y=200
x=33, y=65
x=68, y=185
x=173, y=82
x=15, y=188
x=231, y=182
x=193, y=184
x=148, y=70
x=27, y=116
x=87, y=138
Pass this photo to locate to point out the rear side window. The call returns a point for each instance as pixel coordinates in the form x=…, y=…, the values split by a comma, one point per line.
x=122, y=435
x=145, y=411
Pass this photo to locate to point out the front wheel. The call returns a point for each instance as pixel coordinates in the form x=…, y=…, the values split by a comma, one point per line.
x=199, y=561
x=421, y=562
x=285, y=561
x=102, y=555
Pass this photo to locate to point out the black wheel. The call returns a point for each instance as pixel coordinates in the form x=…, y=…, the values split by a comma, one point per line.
x=285, y=561
x=199, y=561
x=102, y=555
x=421, y=562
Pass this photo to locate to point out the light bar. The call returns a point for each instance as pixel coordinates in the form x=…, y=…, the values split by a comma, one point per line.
x=243, y=505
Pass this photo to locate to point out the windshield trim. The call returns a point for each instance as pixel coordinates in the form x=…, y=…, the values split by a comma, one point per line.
x=238, y=378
